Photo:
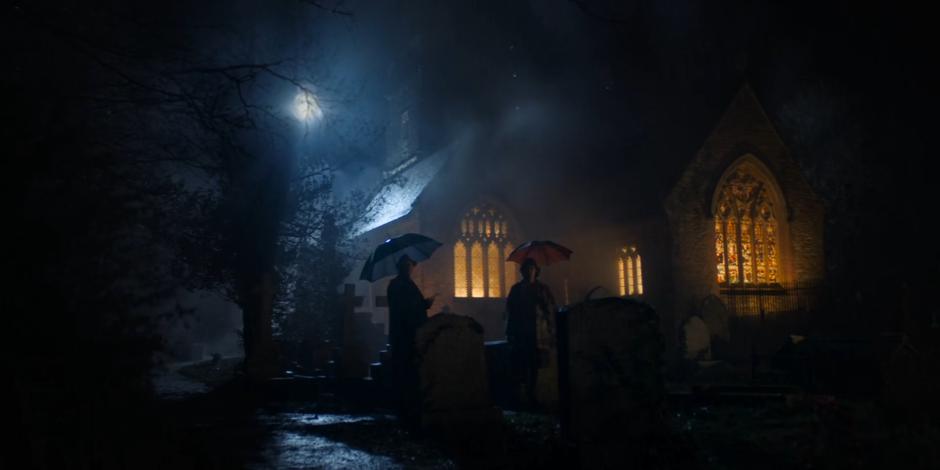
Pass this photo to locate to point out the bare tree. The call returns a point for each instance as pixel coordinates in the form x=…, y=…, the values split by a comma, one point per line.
x=198, y=138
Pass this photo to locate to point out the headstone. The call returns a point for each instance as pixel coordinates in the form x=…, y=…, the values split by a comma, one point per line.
x=499, y=370
x=321, y=355
x=715, y=314
x=610, y=369
x=358, y=332
x=697, y=339
x=909, y=389
x=455, y=398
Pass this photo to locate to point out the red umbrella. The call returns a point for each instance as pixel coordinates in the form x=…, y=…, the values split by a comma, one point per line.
x=544, y=252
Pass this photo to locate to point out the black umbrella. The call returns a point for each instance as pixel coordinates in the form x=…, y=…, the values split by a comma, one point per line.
x=382, y=262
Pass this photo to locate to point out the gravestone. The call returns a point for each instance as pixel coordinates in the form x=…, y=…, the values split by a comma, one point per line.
x=500, y=373
x=321, y=355
x=715, y=314
x=362, y=339
x=610, y=371
x=455, y=398
x=696, y=339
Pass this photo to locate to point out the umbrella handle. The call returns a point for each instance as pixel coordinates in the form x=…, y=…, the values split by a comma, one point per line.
x=591, y=292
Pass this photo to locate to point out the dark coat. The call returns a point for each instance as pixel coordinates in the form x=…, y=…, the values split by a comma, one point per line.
x=407, y=311
x=526, y=302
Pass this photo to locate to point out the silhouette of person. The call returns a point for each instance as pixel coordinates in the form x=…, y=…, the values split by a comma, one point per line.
x=407, y=311
x=528, y=302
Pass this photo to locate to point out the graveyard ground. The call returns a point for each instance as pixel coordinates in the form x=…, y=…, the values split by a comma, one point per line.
x=232, y=426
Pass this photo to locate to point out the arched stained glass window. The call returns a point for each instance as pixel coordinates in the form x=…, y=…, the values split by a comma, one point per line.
x=630, y=271
x=484, y=273
x=745, y=230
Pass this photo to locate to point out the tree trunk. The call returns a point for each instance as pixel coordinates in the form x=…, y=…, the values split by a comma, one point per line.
x=257, y=311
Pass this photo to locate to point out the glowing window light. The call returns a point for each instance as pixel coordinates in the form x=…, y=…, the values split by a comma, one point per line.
x=460, y=269
x=476, y=270
x=731, y=235
x=720, y=249
x=771, y=241
x=485, y=275
x=760, y=258
x=631, y=289
x=307, y=107
x=639, y=275
x=630, y=272
x=622, y=278
x=493, y=265
x=747, y=262
x=745, y=231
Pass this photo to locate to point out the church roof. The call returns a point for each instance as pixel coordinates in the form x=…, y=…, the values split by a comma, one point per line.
x=622, y=191
x=401, y=188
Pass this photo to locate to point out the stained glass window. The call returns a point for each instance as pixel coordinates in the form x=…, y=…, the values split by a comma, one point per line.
x=731, y=235
x=630, y=272
x=770, y=243
x=483, y=272
x=745, y=231
x=747, y=261
x=720, y=248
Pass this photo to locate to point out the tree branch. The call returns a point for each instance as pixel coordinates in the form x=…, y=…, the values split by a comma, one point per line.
x=335, y=9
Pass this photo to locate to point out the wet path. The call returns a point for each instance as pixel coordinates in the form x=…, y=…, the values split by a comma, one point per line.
x=302, y=438
x=227, y=429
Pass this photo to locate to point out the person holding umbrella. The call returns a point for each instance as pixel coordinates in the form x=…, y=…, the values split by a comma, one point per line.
x=530, y=309
x=407, y=311
x=529, y=304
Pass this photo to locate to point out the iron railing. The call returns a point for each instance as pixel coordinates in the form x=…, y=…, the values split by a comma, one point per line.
x=772, y=299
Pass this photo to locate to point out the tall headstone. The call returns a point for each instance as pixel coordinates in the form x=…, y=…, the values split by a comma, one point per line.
x=455, y=398
x=715, y=314
x=697, y=339
x=362, y=339
x=611, y=384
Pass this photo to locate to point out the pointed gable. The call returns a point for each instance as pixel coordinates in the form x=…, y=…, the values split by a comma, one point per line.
x=743, y=134
x=743, y=129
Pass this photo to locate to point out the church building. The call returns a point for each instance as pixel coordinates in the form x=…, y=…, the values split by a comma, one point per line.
x=736, y=236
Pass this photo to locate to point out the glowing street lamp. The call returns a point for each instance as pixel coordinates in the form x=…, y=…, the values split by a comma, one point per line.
x=307, y=107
